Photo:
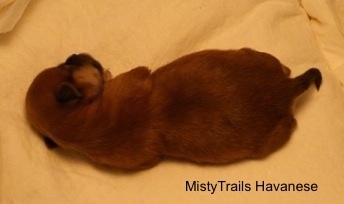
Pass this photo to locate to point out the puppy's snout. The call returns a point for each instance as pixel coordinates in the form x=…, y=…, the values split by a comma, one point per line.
x=79, y=60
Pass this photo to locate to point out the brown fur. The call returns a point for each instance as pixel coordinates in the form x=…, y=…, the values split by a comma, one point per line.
x=207, y=107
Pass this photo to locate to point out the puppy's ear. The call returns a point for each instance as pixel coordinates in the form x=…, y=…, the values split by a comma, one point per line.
x=67, y=93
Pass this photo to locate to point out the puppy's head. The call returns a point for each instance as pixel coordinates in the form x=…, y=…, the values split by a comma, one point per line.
x=77, y=81
x=79, y=78
x=85, y=78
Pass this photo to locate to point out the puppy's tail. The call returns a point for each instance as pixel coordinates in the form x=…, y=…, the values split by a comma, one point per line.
x=302, y=82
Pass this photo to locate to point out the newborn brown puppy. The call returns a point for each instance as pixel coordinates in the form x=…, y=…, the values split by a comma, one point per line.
x=211, y=107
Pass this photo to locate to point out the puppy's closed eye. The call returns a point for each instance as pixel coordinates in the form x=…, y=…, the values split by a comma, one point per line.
x=67, y=93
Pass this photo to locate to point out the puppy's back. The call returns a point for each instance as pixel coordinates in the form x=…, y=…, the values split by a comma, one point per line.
x=221, y=106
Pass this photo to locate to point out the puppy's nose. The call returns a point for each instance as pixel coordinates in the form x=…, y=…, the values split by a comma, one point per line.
x=79, y=60
x=72, y=60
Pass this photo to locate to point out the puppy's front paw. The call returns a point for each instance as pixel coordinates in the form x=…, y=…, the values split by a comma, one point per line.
x=50, y=143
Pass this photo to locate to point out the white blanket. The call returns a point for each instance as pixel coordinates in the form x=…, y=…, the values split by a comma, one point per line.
x=10, y=12
x=123, y=34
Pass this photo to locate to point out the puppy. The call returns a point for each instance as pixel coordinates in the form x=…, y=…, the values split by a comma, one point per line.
x=209, y=107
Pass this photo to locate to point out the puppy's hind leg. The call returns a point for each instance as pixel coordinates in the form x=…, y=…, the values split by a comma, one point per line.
x=277, y=138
